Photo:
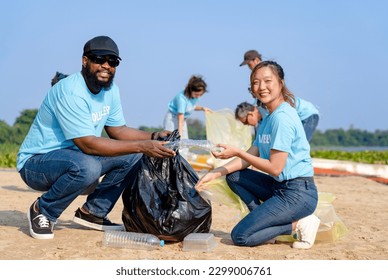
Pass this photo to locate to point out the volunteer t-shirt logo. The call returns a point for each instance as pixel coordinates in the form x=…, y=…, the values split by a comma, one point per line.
x=97, y=116
x=265, y=139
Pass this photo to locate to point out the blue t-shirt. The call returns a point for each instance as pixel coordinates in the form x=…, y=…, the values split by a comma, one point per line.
x=305, y=108
x=69, y=111
x=263, y=112
x=282, y=130
x=180, y=104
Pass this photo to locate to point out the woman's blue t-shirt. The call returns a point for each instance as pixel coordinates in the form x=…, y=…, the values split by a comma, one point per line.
x=282, y=130
x=180, y=104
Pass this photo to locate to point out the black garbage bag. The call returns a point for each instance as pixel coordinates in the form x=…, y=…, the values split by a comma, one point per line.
x=160, y=198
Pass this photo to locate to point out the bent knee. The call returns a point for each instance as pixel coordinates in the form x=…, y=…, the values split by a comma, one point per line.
x=238, y=238
x=88, y=169
x=233, y=177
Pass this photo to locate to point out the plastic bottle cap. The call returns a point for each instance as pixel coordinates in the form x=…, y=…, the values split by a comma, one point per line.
x=161, y=243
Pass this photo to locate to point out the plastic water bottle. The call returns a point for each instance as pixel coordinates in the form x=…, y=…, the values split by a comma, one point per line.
x=132, y=240
x=194, y=144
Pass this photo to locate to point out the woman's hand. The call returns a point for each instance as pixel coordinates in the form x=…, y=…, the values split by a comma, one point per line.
x=223, y=151
x=201, y=108
x=207, y=110
x=201, y=184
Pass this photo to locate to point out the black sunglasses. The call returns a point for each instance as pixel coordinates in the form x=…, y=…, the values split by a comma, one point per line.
x=98, y=59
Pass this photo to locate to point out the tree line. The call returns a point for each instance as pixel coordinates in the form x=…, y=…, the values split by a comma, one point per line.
x=352, y=137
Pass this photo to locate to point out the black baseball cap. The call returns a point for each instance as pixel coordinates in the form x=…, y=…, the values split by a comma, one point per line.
x=101, y=45
x=250, y=55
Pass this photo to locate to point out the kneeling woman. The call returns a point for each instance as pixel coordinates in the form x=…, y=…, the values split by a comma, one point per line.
x=282, y=197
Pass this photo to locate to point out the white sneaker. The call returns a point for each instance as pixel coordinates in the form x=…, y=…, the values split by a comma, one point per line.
x=306, y=231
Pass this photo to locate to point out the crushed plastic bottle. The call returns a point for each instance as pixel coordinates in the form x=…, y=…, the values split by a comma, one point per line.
x=194, y=145
x=132, y=240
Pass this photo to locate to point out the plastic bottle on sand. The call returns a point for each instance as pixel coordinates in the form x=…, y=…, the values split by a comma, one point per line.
x=132, y=240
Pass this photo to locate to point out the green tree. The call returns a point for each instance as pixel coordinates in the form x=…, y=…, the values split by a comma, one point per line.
x=381, y=137
x=26, y=117
x=196, y=129
x=150, y=128
x=23, y=124
x=319, y=139
x=5, y=133
x=350, y=138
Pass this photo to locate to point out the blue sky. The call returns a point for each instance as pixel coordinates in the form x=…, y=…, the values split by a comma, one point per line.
x=334, y=53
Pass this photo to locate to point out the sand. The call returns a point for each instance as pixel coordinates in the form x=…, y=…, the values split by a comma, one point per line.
x=360, y=203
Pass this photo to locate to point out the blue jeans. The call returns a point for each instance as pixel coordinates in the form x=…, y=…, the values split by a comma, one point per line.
x=65, y=174
x=309, y=125
x=273, y=205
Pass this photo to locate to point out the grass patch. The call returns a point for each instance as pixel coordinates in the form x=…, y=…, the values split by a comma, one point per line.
x=8, y=153
x=370, y=157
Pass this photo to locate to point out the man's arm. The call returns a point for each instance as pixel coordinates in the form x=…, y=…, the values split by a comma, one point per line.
x=123, y=140
x=127, y=133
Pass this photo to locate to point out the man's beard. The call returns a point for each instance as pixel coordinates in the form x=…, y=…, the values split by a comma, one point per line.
x=93, y=82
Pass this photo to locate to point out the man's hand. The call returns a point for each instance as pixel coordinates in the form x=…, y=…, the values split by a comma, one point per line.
x=163, y=134
x=154, y=148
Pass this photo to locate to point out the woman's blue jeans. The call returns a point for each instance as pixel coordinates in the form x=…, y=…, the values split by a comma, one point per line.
x=309, y=125
x=273, y=205
x=65, y=174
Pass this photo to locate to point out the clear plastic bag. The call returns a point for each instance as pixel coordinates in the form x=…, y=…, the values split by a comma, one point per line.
x=332, y=227
x=219, y=191
x=223, y=128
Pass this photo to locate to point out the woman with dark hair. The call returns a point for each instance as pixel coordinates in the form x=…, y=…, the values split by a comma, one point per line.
x=282, y=195
x=307, y=111
x=183, y=104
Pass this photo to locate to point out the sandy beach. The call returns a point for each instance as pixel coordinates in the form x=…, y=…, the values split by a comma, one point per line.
x=360, y=203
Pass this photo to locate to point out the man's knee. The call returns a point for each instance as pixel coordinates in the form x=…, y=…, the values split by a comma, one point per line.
x=88, y=170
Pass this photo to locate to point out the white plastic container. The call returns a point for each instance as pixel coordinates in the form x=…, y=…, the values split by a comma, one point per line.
x=132, y=240
x=200, y=242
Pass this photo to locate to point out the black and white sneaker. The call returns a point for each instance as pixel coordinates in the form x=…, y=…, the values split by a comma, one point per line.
x=40, y=226
x=91, y=221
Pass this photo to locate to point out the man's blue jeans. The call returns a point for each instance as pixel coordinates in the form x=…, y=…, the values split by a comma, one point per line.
x=65, y=174
x=309, y=125
x=273, y=205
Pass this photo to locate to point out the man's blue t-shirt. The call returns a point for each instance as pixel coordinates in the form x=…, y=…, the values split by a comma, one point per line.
x=282, y=130
x=69, y=111
x=180, y=104
x=305, y=108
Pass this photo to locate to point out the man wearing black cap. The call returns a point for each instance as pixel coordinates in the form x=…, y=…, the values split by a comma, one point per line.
x=251, y=58
x=64, y=155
